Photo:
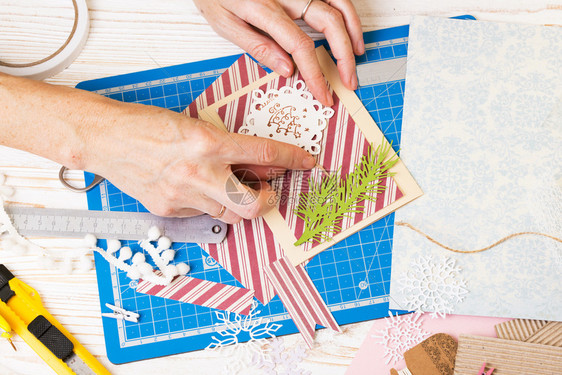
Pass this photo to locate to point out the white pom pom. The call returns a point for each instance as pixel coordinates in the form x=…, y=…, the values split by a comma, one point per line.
x=183, y=268
x=90, y=240
x=139, y=258
x=134, y=274
x=145, y=269
x=125, y=253
x=113, y=246
x=168, y=255
x=7, y=191
x=154, y=233
x=85, y=264
x=164, y=243
x=170, y=271
x=66, y=266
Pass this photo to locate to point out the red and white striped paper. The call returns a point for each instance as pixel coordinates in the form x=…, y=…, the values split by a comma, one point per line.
x=301, y=298
x=203, y=293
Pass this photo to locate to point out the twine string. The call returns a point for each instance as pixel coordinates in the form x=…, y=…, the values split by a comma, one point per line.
x=500, y=241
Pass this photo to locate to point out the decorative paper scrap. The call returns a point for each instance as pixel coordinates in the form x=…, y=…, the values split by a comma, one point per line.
x=519, y=329
x=203, y=293
x=371, y=359
x=345, y=140
x=508, y=357
x=474, y=136
x=433, y=356
x=289, y=115
x=550, y=334
x=300, y=298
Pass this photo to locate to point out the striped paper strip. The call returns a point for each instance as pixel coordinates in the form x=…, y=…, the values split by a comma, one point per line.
x=203, y=293
x=508, y=357
x=301, y=298
x=519, y=329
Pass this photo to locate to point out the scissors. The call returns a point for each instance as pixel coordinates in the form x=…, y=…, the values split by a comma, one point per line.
x=96, y=182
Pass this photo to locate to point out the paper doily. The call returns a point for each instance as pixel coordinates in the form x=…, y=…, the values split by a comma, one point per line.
x=289, y=115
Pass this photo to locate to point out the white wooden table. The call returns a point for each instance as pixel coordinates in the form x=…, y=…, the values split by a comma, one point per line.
x=133, y=35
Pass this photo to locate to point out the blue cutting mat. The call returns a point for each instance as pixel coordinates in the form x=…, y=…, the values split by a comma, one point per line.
x=353, y=276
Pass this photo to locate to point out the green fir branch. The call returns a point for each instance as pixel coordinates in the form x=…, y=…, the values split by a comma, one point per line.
x=331, y=198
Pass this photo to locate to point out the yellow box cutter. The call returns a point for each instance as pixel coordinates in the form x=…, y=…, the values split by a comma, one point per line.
x=23, y=312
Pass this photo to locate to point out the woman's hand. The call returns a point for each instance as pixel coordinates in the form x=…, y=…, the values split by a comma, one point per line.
x=244, y=23
x=174, y=165
x=178, y=166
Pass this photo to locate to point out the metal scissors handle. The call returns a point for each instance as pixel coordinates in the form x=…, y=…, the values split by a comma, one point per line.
x=96, y=182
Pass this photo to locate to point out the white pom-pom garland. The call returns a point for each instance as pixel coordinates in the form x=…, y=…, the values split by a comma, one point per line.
x=154, y=233
x=170, y=271
x=164, y=243
x=145, y=269
x=113, y=246
x=183, y=269
x=125, y=253
x=138, y=258
x=90, y=240
x=85, y=264
x=168, y=255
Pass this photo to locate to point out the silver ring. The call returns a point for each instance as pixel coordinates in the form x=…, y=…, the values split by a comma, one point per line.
x=223, y=209
x=305, y=9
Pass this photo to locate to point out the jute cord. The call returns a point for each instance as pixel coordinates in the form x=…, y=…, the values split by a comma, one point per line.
x=507, y=238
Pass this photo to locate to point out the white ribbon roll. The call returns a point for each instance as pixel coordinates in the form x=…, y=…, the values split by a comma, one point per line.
x=61, y=58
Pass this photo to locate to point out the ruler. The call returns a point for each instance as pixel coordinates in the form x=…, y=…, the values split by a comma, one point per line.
x=54, y=222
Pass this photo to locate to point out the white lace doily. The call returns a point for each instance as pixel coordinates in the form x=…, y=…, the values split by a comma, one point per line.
x=289, y=115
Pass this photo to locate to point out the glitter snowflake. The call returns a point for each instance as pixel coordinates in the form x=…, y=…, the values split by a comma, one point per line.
x=433, y=284
x=400, y=334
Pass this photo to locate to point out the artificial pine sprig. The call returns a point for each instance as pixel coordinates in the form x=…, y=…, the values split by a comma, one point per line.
x=331, y=199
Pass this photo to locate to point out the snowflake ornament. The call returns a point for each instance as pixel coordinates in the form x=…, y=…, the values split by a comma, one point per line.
x=400, y=334
x=289, y=115
x=263, y=352
x=433, y=284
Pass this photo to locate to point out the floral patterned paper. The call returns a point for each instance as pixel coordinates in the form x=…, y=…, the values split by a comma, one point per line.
x=475, y=136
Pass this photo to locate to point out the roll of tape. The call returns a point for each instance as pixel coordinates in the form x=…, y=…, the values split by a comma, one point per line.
x=61, y=58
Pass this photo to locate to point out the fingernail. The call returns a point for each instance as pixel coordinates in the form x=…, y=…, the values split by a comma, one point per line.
x=353, y=81
x=309, y=162
x=328, y=99
x=282, y=67
x=360, y=47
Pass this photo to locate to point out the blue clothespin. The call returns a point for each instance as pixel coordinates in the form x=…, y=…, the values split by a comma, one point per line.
x=483, y=370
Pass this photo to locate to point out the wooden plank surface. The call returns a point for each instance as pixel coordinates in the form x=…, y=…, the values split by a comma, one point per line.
x=128, y=36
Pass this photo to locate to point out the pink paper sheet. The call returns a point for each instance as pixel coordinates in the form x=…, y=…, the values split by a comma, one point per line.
x=370, y=357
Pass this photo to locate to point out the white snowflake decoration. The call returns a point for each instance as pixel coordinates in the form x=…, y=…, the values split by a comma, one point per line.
x=258, y=328
x=400, y=334
x=289, y=115
x=434, y=285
